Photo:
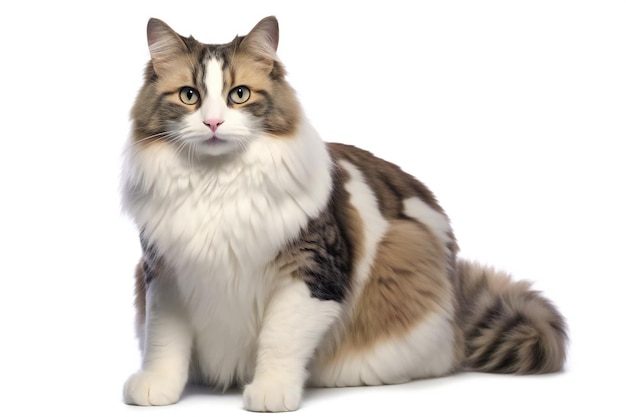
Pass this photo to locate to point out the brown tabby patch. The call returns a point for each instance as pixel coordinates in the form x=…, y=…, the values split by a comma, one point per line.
x=407, y=282
x=326, y=251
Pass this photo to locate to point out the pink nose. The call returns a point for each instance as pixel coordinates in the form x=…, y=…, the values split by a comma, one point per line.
x=213, y=124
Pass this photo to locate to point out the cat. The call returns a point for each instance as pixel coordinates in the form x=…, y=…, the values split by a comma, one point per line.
x=273, y=261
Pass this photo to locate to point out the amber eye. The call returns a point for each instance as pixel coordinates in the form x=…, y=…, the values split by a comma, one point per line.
x=239, y=95
x=189, y=95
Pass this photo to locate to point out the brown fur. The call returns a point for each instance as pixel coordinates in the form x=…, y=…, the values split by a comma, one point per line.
x=407, y=282
x=285, y=115
x=412, y=275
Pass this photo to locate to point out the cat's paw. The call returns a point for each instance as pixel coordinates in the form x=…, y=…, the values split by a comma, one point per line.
x=149, y=388
x=268, y=395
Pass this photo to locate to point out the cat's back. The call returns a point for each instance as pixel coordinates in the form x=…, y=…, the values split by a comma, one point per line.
x=397, y=194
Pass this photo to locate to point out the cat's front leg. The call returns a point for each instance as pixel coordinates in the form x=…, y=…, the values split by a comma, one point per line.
x=293, y=326
x=167, y=348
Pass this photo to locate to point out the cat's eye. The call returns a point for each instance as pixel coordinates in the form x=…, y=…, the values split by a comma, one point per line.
x=239, y=95
x=189, y=95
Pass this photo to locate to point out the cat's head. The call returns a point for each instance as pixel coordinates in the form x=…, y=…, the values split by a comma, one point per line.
x=214, y=99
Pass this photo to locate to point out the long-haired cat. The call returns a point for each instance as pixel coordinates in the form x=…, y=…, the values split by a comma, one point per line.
x=273, y=260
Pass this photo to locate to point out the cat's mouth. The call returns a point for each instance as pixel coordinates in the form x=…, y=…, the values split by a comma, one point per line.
x=214, y=145
x=214, y=141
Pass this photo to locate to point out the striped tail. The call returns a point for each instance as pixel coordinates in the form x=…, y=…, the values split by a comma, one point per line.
x=508, y=327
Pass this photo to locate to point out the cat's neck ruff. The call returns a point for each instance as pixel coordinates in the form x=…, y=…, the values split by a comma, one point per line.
x=227, y=213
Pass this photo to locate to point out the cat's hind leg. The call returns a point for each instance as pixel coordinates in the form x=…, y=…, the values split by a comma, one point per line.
x=427, y=350
x=401, y=324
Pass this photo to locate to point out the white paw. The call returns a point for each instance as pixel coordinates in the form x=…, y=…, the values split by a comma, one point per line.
x=148, y=388
x=271, y=395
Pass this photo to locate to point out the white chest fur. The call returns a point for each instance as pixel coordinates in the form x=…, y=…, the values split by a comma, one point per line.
x=219, y=223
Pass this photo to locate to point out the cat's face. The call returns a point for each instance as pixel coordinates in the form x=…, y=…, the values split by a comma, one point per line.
x=214, y=99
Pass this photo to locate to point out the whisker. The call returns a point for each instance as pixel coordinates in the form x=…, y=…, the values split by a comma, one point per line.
x=168, y=134
x=189, y=149
x=181, y=144
x=196, y=145
x=158, y=135
x=244, y=141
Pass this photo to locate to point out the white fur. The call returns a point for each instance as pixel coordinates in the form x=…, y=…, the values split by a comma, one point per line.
x=427, y=351
x=293, y=327
x=213, y=105
x=167, y=348
x=214, y=81
x=375, y=226
x=436, y=222
x=219, y=223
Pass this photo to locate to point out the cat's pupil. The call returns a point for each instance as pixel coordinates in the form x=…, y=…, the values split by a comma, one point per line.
x=240, y=92
x=189, y=94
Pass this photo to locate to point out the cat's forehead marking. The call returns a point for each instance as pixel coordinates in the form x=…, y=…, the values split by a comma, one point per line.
x=214, y=78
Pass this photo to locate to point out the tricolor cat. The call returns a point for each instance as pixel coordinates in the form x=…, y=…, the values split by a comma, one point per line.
x=273, y=260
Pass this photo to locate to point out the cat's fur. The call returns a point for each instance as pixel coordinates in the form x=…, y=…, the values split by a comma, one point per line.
x=273, y=260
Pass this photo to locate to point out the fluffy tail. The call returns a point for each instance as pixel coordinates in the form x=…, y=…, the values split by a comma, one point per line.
x=508, y=328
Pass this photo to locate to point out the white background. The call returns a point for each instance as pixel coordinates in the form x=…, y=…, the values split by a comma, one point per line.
x=512, y=112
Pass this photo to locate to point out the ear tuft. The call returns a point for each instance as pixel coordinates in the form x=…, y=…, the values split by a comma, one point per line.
x=164, y=43
x=263, y=38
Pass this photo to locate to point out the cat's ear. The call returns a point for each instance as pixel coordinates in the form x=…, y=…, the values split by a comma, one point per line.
x=164, y=44
x=262, y=41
